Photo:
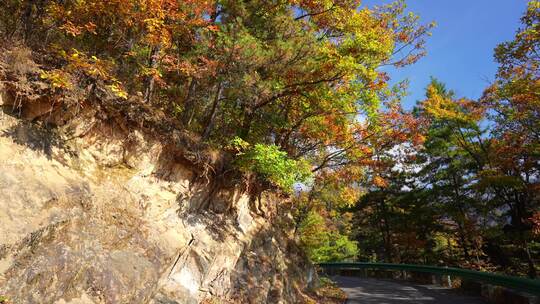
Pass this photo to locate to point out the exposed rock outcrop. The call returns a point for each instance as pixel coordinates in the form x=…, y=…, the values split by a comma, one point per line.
x=97, y=211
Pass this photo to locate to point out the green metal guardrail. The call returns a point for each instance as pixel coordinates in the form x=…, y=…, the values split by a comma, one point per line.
x=522, y=284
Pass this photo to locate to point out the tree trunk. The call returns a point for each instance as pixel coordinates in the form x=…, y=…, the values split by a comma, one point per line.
x=213, y=111
x=189, y=104
x=150, y=80
x=386, y=232
x=246, y=124
x=29, y=17
x=463, y=240
x=532, y=268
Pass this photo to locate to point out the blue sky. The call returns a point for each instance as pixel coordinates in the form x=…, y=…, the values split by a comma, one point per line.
x=460, y=52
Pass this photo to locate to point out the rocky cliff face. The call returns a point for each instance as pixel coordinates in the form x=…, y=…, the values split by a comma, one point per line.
x=94, y=211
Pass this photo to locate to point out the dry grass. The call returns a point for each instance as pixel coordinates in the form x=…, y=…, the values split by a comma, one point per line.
x=19, y=60
x=327, y=292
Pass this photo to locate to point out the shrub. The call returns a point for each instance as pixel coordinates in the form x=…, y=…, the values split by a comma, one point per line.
x=323, y=244
x=271, y=163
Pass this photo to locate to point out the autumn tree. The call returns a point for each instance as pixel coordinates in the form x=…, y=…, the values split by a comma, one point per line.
x=514, y=100
x=294, y=74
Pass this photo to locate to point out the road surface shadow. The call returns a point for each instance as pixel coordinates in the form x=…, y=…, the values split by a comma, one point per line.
x=379, y=291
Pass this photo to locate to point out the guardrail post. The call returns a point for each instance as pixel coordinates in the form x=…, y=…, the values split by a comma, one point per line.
x=448, y=279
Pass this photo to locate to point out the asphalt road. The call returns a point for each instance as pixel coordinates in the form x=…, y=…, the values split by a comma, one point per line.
x=374, y=291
